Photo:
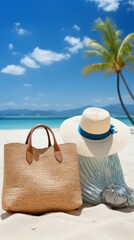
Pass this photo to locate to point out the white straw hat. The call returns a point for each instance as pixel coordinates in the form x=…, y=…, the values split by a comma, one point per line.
x=95, y=133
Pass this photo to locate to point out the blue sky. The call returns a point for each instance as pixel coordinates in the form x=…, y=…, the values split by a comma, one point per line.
x=42, y=47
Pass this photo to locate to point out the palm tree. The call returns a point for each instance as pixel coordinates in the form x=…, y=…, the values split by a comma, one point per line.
x=115, y=55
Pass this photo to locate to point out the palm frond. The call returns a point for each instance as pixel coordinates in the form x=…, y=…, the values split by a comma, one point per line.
x=126, y=47
x=129, y=60
x=114, y=54
x=96, y=67
x=106, y=55
x=96, y=45
x=129, y=38
x=93, y=52
x=131, y=69
x=110, y=35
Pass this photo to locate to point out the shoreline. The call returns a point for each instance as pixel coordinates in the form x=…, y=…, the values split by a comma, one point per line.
x=27, y=122
x=53, y=128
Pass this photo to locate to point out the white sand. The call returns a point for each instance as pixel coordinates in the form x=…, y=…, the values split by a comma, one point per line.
x=95, y=223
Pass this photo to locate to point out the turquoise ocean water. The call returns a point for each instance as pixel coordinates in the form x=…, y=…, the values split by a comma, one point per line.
x=27, y=122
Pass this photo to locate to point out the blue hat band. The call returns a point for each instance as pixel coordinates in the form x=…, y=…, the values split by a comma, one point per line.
x=97, y=136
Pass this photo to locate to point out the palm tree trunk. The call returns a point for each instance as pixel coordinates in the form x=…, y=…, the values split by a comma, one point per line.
x=120, y=98
x=132, y=96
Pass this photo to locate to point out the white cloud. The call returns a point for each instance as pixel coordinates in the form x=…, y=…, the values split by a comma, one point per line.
x=40, y=105
x=10, y=104
x=107, y=5
x=27, y=84
x=98, y=100
x=66, y=105
x=86, y=41
x=126, y=96
x=13, y=69
x=29, y=62
x=72, y=40
x=15, y=53
x=10, y=46
x=131, y=5
x=26, y=104
x=47, y=57
x=76, y=43
x=40, y=94
x=36, y=105
x=26, y=98
x=19, y=30
x=111, y=99
x=76, y=48
x=76, y=27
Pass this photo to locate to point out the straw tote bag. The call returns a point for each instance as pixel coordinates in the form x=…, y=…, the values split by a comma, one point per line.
x=41, y=180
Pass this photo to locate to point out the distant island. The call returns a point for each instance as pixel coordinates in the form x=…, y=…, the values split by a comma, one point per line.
x=114, y=109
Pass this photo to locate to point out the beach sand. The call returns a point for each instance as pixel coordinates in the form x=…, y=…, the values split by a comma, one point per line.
x=89, y=222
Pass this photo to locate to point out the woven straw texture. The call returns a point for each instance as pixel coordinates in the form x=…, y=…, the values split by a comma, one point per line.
x=44, y=185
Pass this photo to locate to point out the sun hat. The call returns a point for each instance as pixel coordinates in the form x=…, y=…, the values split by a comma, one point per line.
x=95, y=133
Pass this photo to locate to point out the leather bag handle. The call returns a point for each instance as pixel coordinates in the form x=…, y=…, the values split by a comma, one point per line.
x=31, y=131
x=29, y=152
